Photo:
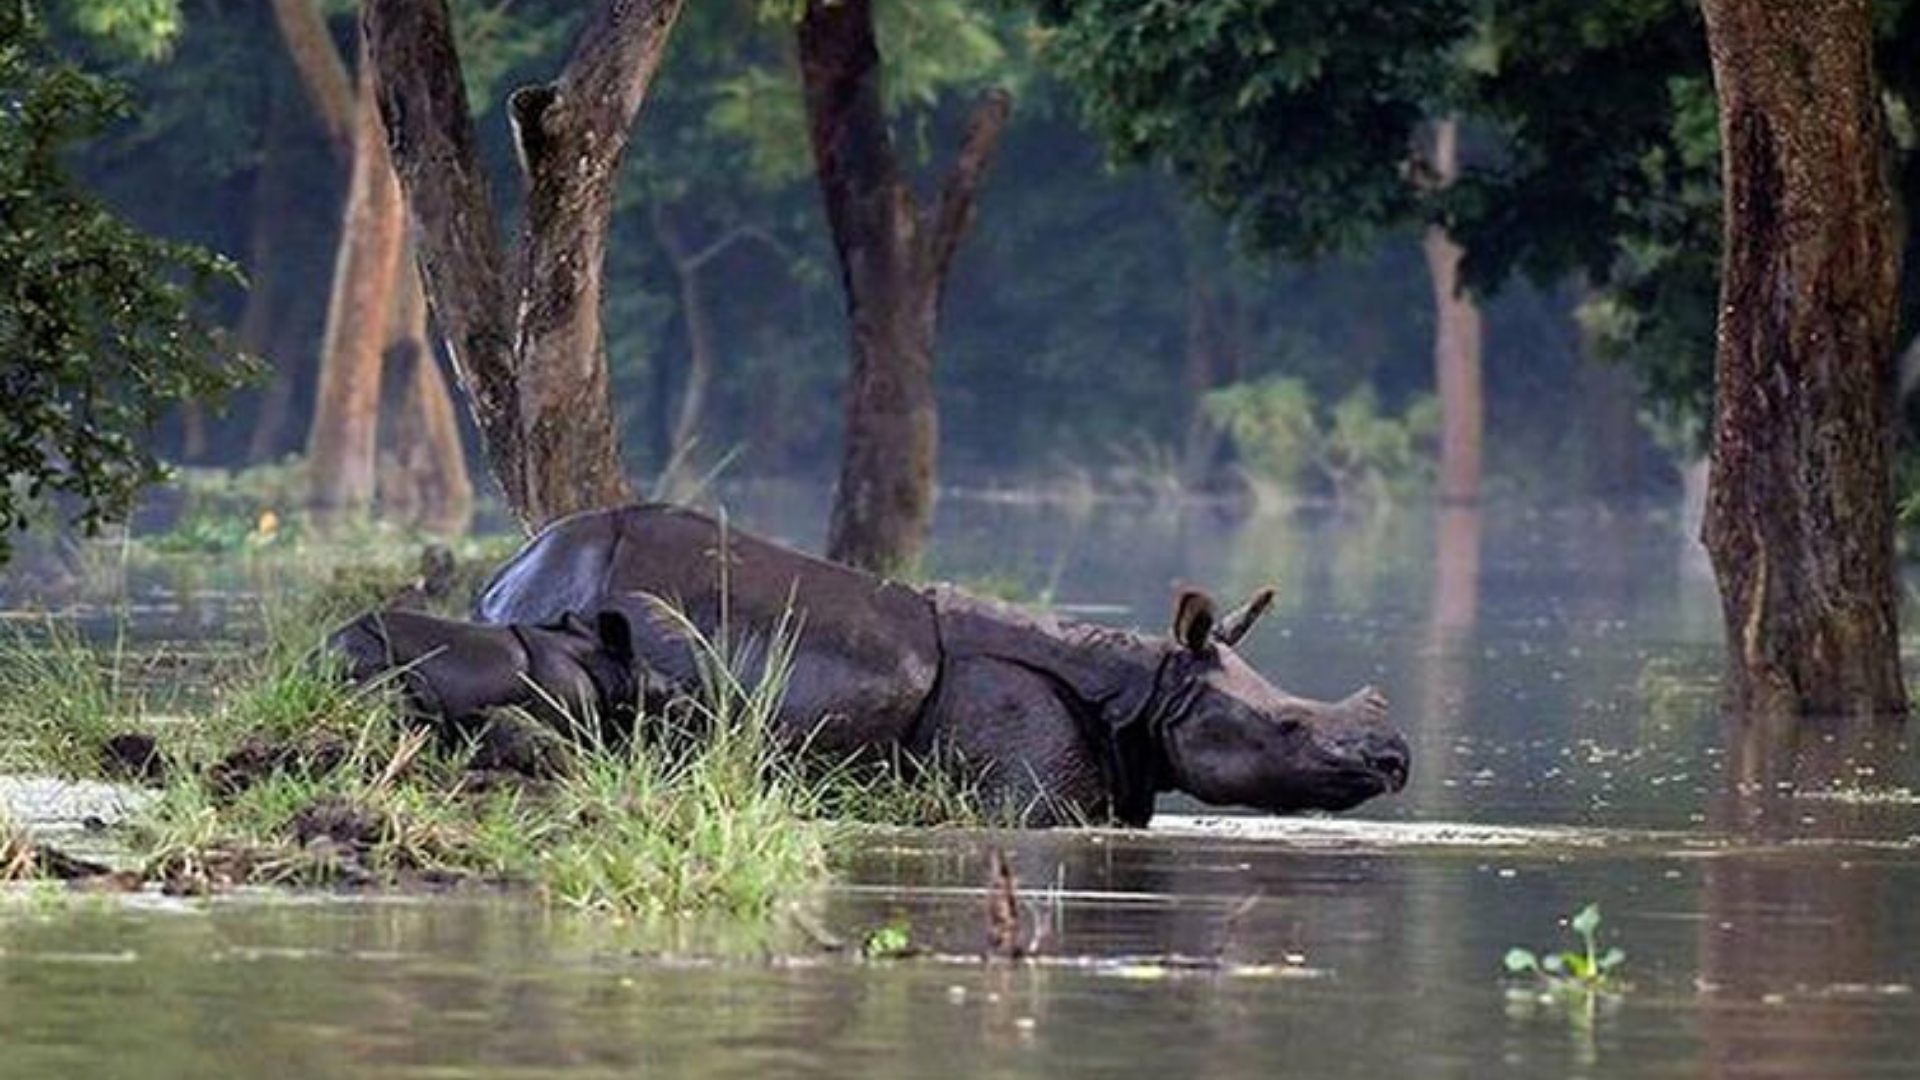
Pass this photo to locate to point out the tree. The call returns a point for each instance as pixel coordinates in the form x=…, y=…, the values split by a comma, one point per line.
x=1610, y=172
x=894, y=257
x=97, y=330
x=1456, y=339
x=1311, y=127
x=374, y=309
x=343, y=442
x=1799, y=517
x=524, y=334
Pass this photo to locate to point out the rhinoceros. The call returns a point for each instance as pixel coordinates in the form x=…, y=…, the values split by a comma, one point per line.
x=1056, y=720
x=561, y=671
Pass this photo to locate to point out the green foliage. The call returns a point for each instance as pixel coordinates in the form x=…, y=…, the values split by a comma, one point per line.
x=1609, y=168
x=1356, y=450
x=145, y=29
x=890, y=942
x=97, y=334
x=1295, y=120
x=1585, y=970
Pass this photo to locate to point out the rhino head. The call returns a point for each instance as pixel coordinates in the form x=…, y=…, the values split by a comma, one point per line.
x=1229, y=737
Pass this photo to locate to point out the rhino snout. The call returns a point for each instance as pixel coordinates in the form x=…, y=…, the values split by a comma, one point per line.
x=1387, y=755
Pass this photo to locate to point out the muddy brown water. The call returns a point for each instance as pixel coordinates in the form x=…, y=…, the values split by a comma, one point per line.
x=1553, y=671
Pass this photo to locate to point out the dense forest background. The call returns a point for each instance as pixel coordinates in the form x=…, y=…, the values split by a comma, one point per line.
x=1091, y=310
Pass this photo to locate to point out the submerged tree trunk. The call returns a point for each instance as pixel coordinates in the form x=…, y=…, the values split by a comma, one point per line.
x=342, y=444
x=523, y=330
x=1799, y=516
x=894, y=257
x=1456, y=342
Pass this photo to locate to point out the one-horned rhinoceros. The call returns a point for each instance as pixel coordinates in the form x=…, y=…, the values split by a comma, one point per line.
x=1056, y=720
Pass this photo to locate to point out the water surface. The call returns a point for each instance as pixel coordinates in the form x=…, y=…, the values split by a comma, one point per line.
x=1553, y=670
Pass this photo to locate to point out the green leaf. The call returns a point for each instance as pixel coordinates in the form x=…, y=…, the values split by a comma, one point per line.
x=1587, y=921
x=1522, y=960
x=891, y=940
x=1612, y=959
x=1555, y=963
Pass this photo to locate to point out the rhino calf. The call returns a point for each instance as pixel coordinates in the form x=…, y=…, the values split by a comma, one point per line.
x=562, y=671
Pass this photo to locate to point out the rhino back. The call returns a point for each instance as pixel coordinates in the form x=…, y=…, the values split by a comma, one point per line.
x=867, y=656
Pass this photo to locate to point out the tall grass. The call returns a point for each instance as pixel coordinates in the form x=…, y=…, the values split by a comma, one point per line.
x=702, y=812
x=16, y=851
x=60, y=699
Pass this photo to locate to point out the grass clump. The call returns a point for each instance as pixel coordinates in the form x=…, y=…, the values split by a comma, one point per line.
x=710, y=817
x=16, y=852
x=61, y=699
x=901, y=790
x=286, y=775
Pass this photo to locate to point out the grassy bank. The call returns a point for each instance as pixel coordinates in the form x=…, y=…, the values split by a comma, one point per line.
x=277, y=773
x=264, y=768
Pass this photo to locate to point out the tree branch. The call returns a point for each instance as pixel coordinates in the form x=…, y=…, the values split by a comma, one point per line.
x=953, y=212
x=323, y=72
x=423, y=102
x=606, y=78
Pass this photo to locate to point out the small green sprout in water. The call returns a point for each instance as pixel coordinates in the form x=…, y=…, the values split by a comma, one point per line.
x=890, y=942
x=1587, y=969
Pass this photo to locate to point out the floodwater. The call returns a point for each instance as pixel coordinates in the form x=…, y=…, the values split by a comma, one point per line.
x=1553, y=671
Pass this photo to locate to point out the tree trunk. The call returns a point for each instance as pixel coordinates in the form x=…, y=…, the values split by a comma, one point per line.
x=427, y=479
x=341, y=445
x=698, y=322
x=1799, y=516
x=303, y=30
x=1201, y=374
x=1611, y=444
x=1456, y=342
x=524, y=332
x=267, y=227
x=894, y=258
x=193, y=431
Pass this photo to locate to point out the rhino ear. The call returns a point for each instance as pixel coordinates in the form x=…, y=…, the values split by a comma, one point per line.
x=616, y=635
x=1241, y=619
x=1193, y=620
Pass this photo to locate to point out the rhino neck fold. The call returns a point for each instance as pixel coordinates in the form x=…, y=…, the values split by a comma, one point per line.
x=1109, y=678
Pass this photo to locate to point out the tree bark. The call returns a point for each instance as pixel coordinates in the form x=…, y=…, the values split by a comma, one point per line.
x=342, y=444
x=1799, y=516
x=1456, y=342
x=698, y=322
x=428, y=477
x=303, y=29
x=267, y=230
x=894, y=258
x=1205, y=343
x=524, y=332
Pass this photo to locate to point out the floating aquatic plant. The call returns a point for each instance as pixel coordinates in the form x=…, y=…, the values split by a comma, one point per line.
x=1585, y=969
x=890, y=942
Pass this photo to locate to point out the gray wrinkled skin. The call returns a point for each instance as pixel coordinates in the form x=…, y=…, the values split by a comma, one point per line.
x=1058, y=721
x=454, y=672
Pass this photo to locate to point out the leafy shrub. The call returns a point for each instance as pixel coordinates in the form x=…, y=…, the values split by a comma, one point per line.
x=1355, y=451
